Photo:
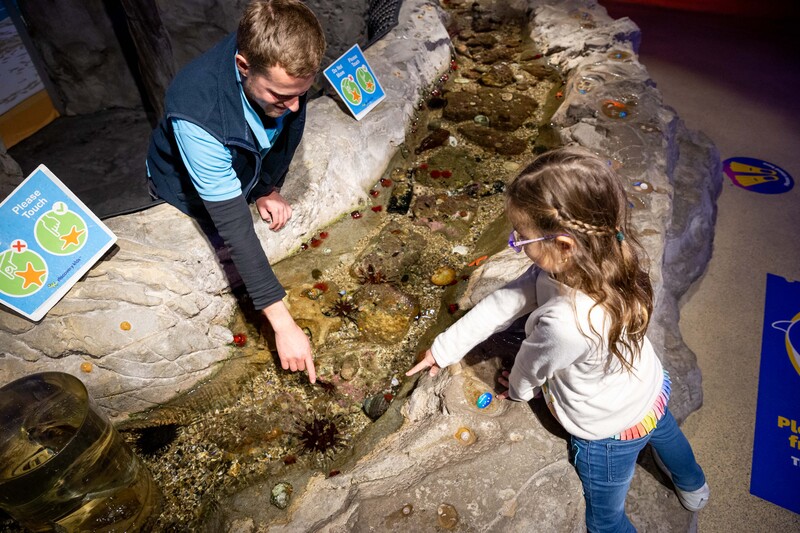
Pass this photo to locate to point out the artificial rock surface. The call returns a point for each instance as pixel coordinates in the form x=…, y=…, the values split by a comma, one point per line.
x=175, y=298
x=516, y=476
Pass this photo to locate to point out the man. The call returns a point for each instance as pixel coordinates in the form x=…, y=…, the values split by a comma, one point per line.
x=233, y=119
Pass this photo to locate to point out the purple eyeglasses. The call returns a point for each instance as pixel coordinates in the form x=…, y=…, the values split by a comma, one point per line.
x=517, y=245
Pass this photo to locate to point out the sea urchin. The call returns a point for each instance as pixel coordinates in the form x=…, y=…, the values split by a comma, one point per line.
x=319, y=434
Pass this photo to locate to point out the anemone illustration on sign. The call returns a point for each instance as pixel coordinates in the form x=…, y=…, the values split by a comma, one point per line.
x=365, y=79
x=351, y=91
x=22, y=271
x=792, y=329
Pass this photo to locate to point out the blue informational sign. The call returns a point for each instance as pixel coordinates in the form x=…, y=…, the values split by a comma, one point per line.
x=757, y=175
x=355, y=82
x=776, y=447
x=48, y=240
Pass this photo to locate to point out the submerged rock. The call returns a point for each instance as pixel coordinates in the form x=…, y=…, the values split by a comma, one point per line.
x=388, y=255
x=494, y=140
x=463, y=106
x=498, y=75
x=435, y=139
x=385, y=312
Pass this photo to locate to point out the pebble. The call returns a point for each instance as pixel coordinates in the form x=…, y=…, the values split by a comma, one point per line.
x=511, y=165
x=481, y=119
x=460, y=250
x=443, y=276
x=506, y=97
x=461, y=81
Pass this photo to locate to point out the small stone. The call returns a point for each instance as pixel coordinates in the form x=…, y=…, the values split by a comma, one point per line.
x=407, y=509
x=462, y=81
x=506, y=97
x=281, y=495
x=443, y=276
x=511, y=165
x=483, y=120
x=460, y=250
x=349, y=369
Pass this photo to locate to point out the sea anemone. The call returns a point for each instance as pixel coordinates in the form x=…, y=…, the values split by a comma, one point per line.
x=371, y=275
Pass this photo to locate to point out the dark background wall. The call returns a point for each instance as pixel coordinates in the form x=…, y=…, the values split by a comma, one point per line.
x=102, y=54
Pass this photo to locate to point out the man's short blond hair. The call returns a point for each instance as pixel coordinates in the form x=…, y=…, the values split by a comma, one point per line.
x=283, y=33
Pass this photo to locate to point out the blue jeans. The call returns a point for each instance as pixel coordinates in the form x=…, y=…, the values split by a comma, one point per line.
x=606, y=468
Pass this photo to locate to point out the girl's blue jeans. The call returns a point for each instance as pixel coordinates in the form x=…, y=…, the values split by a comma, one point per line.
x=606, y=469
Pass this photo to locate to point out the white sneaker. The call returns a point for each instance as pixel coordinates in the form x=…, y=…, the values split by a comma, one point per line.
x=691, y=500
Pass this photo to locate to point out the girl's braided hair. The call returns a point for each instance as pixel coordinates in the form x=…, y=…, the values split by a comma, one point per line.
x=572, y=191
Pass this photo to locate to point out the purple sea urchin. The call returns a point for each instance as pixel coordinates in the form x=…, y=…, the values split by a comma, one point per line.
x=319, y=434
x=343, y=308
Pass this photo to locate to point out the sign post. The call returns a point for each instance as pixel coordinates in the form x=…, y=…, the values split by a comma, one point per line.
x=48, y=240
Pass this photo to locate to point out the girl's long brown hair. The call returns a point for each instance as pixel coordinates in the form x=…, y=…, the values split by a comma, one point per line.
x=572, y=191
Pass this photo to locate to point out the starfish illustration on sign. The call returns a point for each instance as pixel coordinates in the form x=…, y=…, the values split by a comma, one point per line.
x=72, y=237
x=31, y=276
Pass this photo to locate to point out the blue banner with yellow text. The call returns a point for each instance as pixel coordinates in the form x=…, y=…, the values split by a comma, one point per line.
x=776, y=447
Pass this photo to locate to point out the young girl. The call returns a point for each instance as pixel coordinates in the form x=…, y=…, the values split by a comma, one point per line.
x=589, y=303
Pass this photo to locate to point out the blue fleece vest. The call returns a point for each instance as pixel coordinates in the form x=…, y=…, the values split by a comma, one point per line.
x=206, y=93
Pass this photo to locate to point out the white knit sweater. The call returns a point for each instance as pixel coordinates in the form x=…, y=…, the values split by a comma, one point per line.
x=586, y=388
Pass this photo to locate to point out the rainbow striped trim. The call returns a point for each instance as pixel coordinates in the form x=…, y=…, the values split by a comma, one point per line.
x=652, y=417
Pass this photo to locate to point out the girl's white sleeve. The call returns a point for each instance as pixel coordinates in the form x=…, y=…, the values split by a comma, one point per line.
x=493, y=314
x=553, y=343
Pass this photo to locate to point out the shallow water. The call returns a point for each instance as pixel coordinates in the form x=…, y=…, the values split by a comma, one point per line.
x=254, y=421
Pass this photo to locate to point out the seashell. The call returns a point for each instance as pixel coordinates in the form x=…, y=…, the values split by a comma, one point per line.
x=375, y=406
x=281, y=495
